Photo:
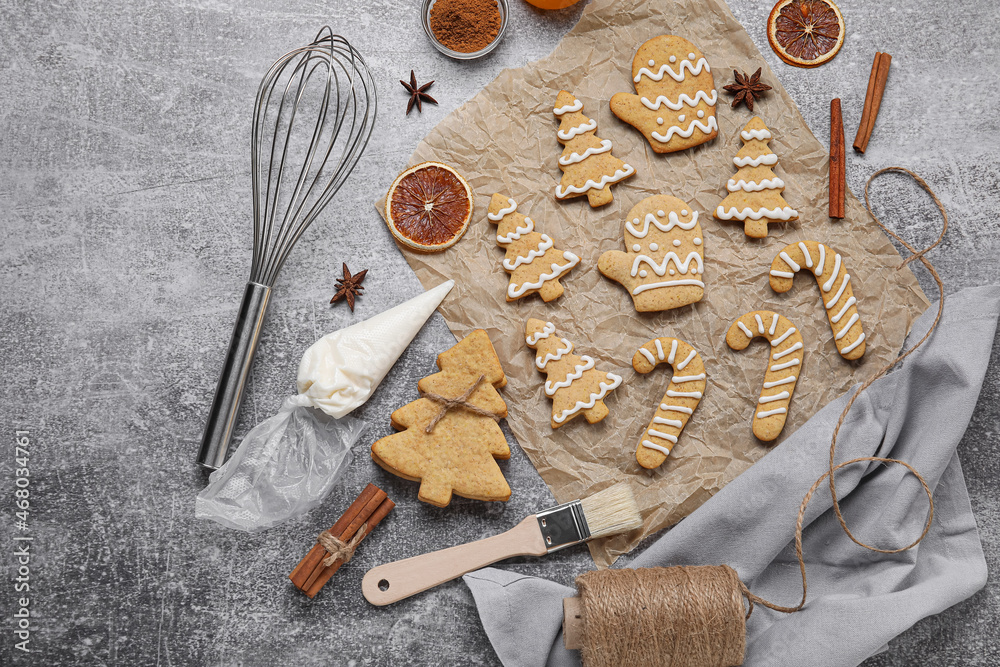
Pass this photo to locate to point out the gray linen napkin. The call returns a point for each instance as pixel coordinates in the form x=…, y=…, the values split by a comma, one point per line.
x=858, y=599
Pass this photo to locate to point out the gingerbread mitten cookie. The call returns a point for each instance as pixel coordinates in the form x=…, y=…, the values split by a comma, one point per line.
x=833, y=279
x=783, y=367
x=663, y=265
x=755, y=192
x=687, y=386
x=531, y=260
x=575, y=386
x=674, y=104
x=588, y=166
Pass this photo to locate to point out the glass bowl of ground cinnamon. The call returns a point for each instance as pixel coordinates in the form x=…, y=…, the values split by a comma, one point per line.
x=464, y=29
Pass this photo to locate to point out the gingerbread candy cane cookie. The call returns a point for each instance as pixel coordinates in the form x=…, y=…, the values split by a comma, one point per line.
x=687, y=386
x=784, y=366
x=835, y=284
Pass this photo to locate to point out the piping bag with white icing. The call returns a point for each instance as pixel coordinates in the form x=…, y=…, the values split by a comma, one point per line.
x=288, y=463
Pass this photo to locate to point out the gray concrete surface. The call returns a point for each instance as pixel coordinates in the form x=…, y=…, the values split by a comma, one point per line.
x=124, y=186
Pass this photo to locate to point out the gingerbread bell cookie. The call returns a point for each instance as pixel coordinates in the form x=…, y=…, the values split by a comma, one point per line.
x=663, y=265
x=834, y=282
x=589, y=169
x=574, y=384
x=783, y=367
x=449, y=439
x=755, y=192
x=684, y=393
x=532, y=261
x=674, y=104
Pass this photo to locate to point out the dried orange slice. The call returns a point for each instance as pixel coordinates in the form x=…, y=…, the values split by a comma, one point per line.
x=428, y=207
x=806, y=33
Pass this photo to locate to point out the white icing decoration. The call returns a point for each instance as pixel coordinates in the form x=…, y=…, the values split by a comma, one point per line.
x=653, y=247
x=840, y=292
x=673, y=59
x=687, y=361
x=575, y=106
x=546, y=331
x=673, y=221
x=577, y=373
x=661, y=268
x=777, y=397
x=853, y=345
x=676, y=408
x=836, y=271
x=673, y=352
x=651, y=62
x=579, y=129
x=649, y=355
x=786, y=213
x=711, y=125
x=769, y=159
x=805, y=251
x=573, y=158
x=785, y=353
x=662, y=450
x=701, y=113
x=755, y=186
x=787, y=364
x=776, y=383
x=681, y=118
x=560, y=353
x=760, y=324
x=555, y=270
x=745, y=329
x=822, y=261
x=659, y=121
x=684, y=212
x=677, y=244
x=687, y=378
x=626, y=171
x=580, y=405
x=663, y=436
x=636, y=247
x=760, y=135
x=518, y=232
x=774, y=324
x=850, y=323
x=850, y=302
x=496, y=217
x=781, y=339
x=683, y=394
x=543, y=246
x=691, y=56
x=696, y=69
x=644, y=273
x=682, y=101
x=768, y=413
x=788, y=260
x=677, y=423
x=697, y=240
x=782, y=274
x=659, y=349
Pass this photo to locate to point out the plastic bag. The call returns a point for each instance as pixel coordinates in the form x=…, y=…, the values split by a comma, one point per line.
x=283, y=468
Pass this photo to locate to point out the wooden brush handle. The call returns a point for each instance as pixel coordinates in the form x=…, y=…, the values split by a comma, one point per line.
x=410, y=576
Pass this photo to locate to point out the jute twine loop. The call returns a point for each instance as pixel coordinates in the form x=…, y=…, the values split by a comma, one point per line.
x=460, y=402
x=663, y=616
x=834, y=467
x=337, y=548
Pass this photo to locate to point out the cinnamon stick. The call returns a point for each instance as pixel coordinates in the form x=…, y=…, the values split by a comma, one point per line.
x=362, y=512
x=838, y=164
x=873, y=100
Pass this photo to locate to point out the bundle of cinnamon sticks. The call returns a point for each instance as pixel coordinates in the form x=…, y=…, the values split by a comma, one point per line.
x=319, y=565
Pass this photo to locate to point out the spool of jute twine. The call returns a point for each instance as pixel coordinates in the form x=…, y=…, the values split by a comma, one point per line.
x=696, y=616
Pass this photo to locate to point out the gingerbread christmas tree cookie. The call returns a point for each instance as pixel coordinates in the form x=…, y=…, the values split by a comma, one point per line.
x=588, y=166
x=449, y=439
x=574, y=384
x=663, y=265
x=674, y=104
x=755, y=192
x=532, y=261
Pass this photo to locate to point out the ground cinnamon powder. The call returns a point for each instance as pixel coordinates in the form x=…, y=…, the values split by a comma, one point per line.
x=465, y=25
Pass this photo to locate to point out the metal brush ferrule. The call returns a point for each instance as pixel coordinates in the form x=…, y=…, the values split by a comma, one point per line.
x=563, y=526
x=234, y=376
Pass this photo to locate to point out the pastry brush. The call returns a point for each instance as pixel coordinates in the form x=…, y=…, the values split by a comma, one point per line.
x=605, y=513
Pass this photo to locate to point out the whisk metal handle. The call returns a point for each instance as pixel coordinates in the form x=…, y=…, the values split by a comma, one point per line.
x=235, y=373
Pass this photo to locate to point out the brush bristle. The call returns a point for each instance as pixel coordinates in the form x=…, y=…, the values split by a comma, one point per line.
x=611, y=511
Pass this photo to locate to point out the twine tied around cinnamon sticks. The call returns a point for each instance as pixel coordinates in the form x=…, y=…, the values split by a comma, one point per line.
x=460, y=402
x=338, y=549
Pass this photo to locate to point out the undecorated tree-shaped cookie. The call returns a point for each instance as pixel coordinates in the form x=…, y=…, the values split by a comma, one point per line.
x=663, y=265
x=834, y=282
x=457, y=455
x=755, y=192
x=783, y=367
x=574, y=384
x=532, y=261
x=588, y=166
x=674, y=104
x=687, y=386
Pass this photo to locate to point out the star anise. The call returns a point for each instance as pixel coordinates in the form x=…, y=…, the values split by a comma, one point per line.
x=417, y=93
x=747, y=88
x=349, y=287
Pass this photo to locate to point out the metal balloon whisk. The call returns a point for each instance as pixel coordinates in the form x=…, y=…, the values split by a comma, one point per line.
x=313, y=117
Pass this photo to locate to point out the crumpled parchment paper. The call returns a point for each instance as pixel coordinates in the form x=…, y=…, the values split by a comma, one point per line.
x=504, y=140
